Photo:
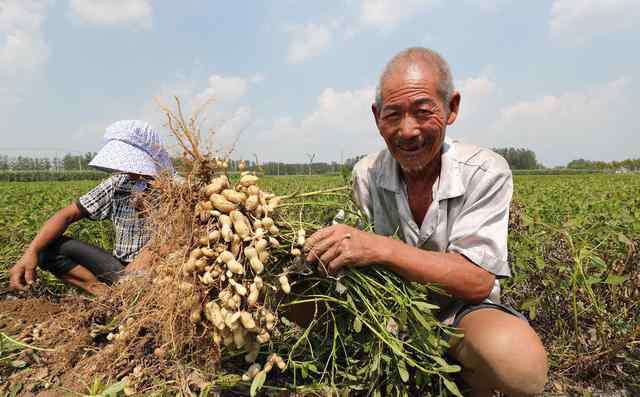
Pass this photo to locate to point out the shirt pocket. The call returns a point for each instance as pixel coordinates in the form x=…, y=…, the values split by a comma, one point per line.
x=385, y=224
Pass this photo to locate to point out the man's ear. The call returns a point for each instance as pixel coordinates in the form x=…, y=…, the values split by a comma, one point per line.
x=454, y=107
x=375, y=112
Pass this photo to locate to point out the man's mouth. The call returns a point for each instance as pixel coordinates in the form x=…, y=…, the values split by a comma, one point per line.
x=412, y=148
x=416, y=145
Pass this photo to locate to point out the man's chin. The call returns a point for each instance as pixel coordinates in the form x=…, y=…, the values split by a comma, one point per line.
x=413, y=168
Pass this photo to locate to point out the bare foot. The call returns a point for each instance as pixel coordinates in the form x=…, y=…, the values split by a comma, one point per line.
x=98, y=289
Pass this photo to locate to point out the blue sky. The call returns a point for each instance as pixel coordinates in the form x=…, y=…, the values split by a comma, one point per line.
x=560, y=77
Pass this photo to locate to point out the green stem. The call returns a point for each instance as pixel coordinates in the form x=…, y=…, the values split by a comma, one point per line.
x=22, y=344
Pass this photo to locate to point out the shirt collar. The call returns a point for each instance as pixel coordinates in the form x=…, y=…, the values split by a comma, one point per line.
x=449, y=182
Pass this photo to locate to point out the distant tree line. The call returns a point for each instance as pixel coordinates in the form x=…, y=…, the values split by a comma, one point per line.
x=628, y=164
x=69, y=162
x=274, y=168
x=519, y=158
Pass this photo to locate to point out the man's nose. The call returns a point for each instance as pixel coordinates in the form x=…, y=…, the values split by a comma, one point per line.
x=409, y=128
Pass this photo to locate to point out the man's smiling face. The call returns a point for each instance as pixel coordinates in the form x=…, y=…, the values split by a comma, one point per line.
x=413, y=116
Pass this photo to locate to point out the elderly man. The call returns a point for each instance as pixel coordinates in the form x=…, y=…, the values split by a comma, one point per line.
x=135, y=155
x=449, y=203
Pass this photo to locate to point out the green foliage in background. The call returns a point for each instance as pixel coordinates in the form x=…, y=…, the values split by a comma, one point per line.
x=574, y=254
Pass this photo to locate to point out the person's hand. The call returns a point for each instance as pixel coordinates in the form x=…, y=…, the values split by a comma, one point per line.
x=338, y=246
x=23, y=273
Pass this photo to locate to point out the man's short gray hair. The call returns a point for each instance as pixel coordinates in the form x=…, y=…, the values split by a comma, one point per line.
x=427, y=57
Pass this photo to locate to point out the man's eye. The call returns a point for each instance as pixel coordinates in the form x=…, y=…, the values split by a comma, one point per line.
x=391, y=116
x=424, y=112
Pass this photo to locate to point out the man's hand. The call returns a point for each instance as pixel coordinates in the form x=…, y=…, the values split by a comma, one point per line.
x=340, y=245
x=24, y=271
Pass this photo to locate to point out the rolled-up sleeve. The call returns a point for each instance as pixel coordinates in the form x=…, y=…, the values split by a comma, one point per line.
x=480, y=229
x=97, y=203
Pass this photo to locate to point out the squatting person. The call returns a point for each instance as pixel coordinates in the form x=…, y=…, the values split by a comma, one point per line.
x=134, y=153
x=449, y=203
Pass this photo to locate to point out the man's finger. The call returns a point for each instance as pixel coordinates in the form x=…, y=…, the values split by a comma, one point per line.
x=330, y=254
x=321, y=247
x=318, y=236
x=15, y=281
x=337, y=263
x=28, y=276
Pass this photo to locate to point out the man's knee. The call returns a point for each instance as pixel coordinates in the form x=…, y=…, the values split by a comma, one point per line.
x=505, y=349
x=52, y=260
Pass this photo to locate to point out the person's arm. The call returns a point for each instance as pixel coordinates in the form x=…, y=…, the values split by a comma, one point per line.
x=340, y=245
x=95, y=204
x=24, y=270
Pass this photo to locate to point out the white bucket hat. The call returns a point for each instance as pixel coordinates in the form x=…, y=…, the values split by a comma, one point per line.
x=133, y=146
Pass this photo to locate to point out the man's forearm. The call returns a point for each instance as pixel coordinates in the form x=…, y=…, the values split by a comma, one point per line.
x=452, y=271
x=338, y=246
x=53, y=228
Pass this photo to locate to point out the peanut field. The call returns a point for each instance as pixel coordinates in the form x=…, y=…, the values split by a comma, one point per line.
x=573, y=246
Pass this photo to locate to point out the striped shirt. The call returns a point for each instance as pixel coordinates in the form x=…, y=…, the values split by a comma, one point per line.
x=469, y=213
x=114, y=199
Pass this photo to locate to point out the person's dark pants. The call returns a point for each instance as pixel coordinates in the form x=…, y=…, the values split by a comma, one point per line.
x=65, y=253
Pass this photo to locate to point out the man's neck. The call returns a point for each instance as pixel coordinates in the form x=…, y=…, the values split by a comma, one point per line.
x=427, y=175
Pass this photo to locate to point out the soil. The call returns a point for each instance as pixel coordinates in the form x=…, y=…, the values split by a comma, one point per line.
x=66, y=326
x=43, y=326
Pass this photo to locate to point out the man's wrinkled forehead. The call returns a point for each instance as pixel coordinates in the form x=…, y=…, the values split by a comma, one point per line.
x=414, y=71
x=409, y=71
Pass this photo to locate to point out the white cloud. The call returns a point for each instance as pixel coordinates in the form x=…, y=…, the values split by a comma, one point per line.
x=488, y=5
x=257, y=78
x=340, y=109
x=597, y=123
x=584, y=106
x=387, y=13
x=307, y=41
x=136, y=13
x=226, y=114
x=475, y=92
x=340, y=122
x=225, y=89
x=22, y=14
x=577, y=21
x=23, y=50
x=311, y=39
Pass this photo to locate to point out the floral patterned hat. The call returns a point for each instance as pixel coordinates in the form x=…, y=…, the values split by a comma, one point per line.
x=133, y=146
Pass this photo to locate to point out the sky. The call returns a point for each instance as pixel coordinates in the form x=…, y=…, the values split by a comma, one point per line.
x=289, y=79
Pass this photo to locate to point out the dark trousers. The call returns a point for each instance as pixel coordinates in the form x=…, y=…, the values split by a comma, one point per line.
x=65, y=253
